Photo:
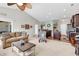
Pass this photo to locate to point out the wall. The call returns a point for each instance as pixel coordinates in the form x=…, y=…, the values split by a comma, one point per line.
x=64, y=21
x=18, y=18
x=46, y=23
x=46, y=27
x=61, y=25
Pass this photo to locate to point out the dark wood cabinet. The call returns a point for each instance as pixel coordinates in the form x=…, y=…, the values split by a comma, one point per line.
x=75, y=25
x=75, y=20
x=72, y=21
x=72, y=38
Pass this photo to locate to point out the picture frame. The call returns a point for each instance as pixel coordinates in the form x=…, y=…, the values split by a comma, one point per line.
x=22, y=26
x=27, y=26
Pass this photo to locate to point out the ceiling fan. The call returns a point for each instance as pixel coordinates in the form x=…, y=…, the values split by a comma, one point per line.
x=22, y=6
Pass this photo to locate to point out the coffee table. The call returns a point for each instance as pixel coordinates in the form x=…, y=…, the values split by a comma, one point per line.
x=24, y=49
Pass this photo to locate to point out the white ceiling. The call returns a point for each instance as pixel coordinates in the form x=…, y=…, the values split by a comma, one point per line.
x=50, y=11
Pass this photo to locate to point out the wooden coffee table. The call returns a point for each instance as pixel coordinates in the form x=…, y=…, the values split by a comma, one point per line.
x=26, y=48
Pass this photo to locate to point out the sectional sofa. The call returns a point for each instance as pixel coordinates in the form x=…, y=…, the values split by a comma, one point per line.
x=8, y=38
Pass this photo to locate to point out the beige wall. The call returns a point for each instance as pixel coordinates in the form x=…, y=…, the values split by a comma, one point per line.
x=62, y=25
x=46, y=23
x=59, y=22
x=63, y=21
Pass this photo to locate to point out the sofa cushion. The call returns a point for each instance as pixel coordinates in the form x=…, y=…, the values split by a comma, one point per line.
x=12, y=34
x=14, y=39
x=18, y=34
x=5, y=36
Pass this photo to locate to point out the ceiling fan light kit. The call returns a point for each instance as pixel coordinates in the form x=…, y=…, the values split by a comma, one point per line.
x=22, y=7
x=20, y=4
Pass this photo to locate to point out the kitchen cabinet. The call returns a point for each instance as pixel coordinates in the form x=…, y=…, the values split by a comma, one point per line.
x=75, y=20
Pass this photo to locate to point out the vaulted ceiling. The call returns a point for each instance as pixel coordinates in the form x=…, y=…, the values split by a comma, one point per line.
x=50, y=11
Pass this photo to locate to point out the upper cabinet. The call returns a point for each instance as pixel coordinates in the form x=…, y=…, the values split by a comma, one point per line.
x=75, y=20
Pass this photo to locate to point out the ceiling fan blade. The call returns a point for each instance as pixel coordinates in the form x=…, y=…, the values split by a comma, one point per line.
x=10, y=4
x=22, y=8
x=28, y=5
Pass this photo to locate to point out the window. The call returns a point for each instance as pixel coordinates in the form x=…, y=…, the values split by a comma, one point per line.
x=63, y=28
x=36, y=29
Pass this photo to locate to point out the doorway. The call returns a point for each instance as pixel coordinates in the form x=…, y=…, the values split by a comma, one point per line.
x=63, y=29
x=36, y=29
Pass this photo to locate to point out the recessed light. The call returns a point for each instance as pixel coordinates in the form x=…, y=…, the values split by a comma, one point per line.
x=64, y=16
x=49, y=13
x=47, y=16
x=64, y=9
x=63, y=20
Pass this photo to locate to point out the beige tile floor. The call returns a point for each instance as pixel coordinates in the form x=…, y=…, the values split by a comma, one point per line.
x=51, y=48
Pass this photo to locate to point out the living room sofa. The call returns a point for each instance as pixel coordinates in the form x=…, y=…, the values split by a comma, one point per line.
x=8, y=38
